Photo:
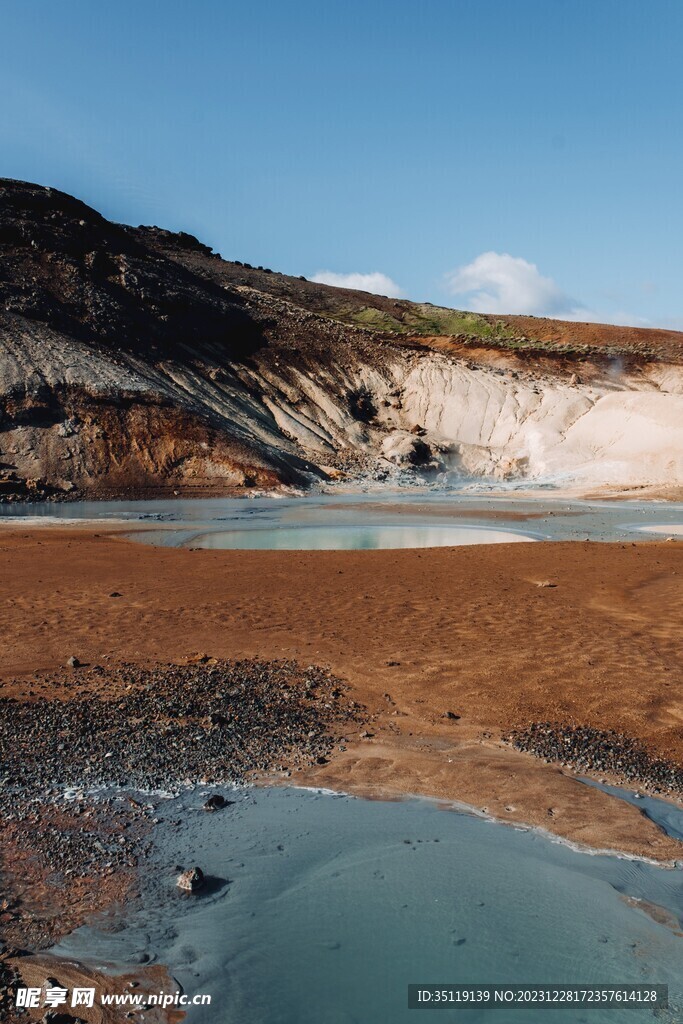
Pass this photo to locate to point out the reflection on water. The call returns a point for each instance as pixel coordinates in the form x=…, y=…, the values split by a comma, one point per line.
x=335, y=905
x=334, y=538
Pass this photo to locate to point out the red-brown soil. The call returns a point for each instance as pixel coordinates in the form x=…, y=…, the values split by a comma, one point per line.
x=415, y=633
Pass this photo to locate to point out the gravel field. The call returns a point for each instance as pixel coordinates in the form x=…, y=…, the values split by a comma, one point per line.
x=595, y=750
x=80, y=777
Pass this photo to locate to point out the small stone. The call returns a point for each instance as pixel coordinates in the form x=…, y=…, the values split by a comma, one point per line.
x=451, y=715
x=73, y=662
x=215, y=803
x=191, y=880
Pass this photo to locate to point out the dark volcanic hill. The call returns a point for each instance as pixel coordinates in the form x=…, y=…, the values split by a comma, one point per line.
x=137, y=361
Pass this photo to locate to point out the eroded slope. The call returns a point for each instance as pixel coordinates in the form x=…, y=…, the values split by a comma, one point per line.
x=134, y=360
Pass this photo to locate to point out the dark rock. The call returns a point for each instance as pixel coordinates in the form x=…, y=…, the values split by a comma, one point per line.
x=215, y=803
x=451, y=715
x=218, y=720
x=421, y=453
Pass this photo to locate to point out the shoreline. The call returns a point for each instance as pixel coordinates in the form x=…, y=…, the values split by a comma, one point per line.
x=475, y=487
x=591, y=822
x=459, y=807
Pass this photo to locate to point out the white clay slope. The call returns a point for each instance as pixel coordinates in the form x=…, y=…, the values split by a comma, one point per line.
x=472, y=419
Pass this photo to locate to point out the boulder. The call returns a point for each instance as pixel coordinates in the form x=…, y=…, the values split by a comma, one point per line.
x=405, y=449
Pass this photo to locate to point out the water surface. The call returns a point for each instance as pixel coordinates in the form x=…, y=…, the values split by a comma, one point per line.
x=335, y=537
x=328, y=907
x=346, y=520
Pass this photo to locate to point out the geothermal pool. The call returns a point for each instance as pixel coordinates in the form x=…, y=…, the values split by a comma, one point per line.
x=343, y=520
x=325, y=908
x=335, y=538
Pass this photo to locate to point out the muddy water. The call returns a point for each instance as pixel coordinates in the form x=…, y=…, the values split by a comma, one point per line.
x=323, y=909
x=379, y=519
x=338, y=537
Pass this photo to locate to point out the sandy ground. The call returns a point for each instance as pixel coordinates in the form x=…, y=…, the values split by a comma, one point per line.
x=417, y=633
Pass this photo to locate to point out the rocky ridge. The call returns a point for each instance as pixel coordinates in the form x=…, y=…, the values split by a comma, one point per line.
x=135, y=361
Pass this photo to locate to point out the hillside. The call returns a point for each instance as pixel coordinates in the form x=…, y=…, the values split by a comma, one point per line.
x=406, y=320
x=134, y=361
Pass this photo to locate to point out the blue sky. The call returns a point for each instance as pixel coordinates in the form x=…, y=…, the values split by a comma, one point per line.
x=511, y=155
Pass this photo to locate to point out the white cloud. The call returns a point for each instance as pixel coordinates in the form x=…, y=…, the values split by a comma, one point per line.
x=496, y=282
x=377, y=283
